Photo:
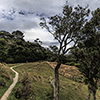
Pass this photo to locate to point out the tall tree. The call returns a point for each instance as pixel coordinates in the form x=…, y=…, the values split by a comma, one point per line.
x=66, y=29
x=88, y=57
x=88, y=53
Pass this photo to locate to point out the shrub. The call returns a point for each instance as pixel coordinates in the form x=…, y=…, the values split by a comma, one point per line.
x=3, y=82
x=25, y=90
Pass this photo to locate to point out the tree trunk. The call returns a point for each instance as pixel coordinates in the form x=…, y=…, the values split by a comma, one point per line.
x=94, y=95
x=56, y=82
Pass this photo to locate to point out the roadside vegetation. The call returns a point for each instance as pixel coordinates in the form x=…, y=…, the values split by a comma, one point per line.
x=6, y=78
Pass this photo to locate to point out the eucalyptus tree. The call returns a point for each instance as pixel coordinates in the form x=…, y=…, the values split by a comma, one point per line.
x=66, y=28
x=88, y=53
x=88, y=57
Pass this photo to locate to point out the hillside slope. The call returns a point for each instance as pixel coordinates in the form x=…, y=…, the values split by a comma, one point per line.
x=6, y=76
x=34, y=84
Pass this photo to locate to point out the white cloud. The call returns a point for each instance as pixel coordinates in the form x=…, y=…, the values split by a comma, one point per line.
x=28, y=22
x=93, y=4
x=43, y=35
x=39, y=6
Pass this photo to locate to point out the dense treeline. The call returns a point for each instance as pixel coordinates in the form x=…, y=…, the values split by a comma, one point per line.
x=14, y=49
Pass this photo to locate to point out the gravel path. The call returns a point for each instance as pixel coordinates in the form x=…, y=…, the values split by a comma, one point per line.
x=15, y=80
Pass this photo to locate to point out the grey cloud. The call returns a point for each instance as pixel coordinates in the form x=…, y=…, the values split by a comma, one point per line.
x=93, y=4
x=48, y=43
x=23, y=24
x=39, y=6
x=22, y=12
x=25, y=14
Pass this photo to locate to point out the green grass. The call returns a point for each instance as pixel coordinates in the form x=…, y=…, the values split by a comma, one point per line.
x=40, y=72
x=3, y=89
x=6, y=76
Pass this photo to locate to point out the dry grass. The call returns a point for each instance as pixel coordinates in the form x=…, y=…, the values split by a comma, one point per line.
x=5, y=71
x=6, y=76
x=70, y=72
x=40, y=73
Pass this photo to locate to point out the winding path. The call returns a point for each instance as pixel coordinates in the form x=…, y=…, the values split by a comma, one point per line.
x=15, y=80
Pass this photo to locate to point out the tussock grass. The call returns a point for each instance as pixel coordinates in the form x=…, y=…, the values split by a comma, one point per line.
x=40, y=74
x=6, y=76
x=70, y=72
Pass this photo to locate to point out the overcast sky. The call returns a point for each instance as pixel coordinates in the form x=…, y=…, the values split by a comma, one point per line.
x=24, y=15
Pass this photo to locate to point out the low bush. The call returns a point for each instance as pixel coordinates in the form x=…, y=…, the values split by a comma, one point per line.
x=3, y=82
x=25, y=90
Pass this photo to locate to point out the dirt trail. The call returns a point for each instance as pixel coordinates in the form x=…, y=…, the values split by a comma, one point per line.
x=15, y=80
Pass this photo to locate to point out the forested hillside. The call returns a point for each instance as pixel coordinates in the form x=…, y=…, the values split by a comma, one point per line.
x=14, y=49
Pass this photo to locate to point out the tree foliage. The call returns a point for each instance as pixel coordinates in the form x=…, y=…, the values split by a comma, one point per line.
x=88, y=54
x=14, y=49
x=66, y=28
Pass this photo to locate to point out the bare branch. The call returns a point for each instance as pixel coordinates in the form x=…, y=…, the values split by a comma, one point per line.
x=44, y=25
